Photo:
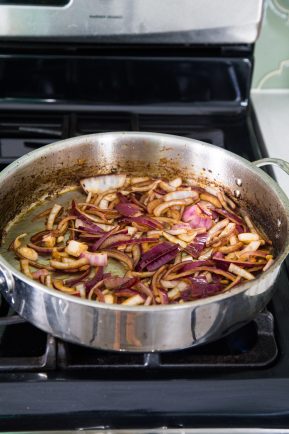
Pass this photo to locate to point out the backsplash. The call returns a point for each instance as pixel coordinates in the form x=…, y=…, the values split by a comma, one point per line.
x=272, y=48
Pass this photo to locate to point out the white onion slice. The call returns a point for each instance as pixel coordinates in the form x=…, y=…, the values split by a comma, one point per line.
x=247, y=237
x=102, y=183
x=177, y=182
x=174, y=240
x=158, y=210
x=52, y=216
x=180, y=194
x=133, y=301
x=251, y=247
x=103, y=204
x=81, y=289
x=268, y=265
x=173, y=293
x=216, y=228
x=235, y=269
x=169, y=283
x=75, y=248
x=108, y=298
x=28, y=253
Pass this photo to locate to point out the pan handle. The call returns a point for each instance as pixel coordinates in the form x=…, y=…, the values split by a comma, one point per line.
x=7, y=283
x=274, y=162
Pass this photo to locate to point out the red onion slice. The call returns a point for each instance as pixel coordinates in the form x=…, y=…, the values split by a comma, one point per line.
x=128, y=209
x=158, y=256
x=193, y=215
x=195, y=248
x=96, y=279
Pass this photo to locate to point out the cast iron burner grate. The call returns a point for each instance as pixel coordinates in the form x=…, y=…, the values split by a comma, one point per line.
x=21, y=133
x=23, y=347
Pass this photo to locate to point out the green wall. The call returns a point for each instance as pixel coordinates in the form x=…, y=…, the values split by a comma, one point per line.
x=272, y=47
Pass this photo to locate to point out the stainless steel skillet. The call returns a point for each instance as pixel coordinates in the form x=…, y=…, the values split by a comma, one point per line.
x=114, y=327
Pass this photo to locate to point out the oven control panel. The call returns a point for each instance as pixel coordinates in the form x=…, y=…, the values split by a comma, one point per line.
x=133, y=21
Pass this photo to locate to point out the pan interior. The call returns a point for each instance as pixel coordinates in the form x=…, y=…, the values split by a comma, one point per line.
x=58, y=166
x=26, y=223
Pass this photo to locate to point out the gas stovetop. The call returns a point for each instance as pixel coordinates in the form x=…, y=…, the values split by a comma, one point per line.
x=241, y=380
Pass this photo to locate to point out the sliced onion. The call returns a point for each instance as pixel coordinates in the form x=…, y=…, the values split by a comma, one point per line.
x=75, y=248
x=139, y=179
x=125, y=292
x=177, y=182
x=128, y=209
x=98, y=277
x=268, y=265
x=196, y=218
x=258, y=253
x=196, y=247
x=233, y=268
x=135, y=241
x=114, y=239
x=103, y=204
x=86, y=219
x=251, y=247
x=216, y=228
x=177, y=231
x=68, y=265
x=180, y=195
x=117, y=223
x=210, y=198
x=134, y=300
x=75, y=280
x=49, y=240
x=201, y=290
x=173, y=294
x=166, y=186
x=144, y=289
x=136, y=254
x=163, y=296
x=158, y=211
x=147, y=221
x=116, y=281
x=28, y=253
x=58, y=284
x=230, y=215
x=102, y=183
x=202, y=268
x=39, y=273
x=122, y=257
x=225, y=263
x=248, y=237
x=108, y=299
x=168, y=284
x=107, y=235
x=230, y=249
x=24, y=265
x=41, y=250
x=225, y=233
x=95, y=259
x=190, y=265
x=158, y=256
x=174, y=240
x=52, y=216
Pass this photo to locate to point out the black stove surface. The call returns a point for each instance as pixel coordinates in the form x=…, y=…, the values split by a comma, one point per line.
x=241, y=380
